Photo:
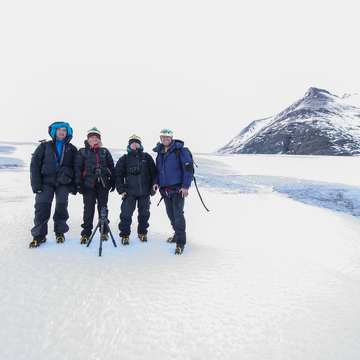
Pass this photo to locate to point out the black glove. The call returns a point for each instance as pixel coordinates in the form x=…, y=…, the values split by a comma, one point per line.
x=112, y=187
x=80, y=188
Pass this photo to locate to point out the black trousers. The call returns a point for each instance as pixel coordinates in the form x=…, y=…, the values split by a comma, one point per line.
x=128, y=206
x=175, y=212
x=98, y=194
x=42, y=207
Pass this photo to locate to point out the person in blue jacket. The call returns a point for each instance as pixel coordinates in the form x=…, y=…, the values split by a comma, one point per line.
x=173, y=179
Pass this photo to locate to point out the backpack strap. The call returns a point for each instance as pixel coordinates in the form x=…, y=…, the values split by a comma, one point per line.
x=43, y=143
x=83, y=152
x=127, y=162
x=178, y=152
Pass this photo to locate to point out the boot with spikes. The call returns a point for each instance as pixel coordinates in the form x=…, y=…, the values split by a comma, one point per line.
x=84, y=239
x=60, y=238
x=179, y=249
x=171, y=239
x=105, y=237
x=125, y=240
x=143, y=237
x=37, y=240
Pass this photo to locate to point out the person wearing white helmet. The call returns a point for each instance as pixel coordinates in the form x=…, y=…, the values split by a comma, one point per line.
x=173, y=178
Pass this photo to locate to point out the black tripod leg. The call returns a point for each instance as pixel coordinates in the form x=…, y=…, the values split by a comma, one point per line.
x=90, y=240
x=101, y=235
x=109, y=231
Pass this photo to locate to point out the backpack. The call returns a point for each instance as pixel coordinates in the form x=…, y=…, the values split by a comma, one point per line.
x=43, y=143
x=193, y=164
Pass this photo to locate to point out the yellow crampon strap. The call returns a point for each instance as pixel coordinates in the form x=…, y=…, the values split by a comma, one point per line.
x=60, y=239
x=143, y=237
x=178, y=250
x=84, y=240
x=125, y=240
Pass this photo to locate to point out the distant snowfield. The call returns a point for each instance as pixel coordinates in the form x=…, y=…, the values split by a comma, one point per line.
x=332, y=169
x=271, y=272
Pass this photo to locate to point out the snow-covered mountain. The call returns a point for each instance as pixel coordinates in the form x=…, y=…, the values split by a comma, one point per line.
x=318, y=124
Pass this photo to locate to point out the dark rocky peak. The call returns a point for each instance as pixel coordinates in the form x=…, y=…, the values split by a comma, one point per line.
x=315, y=92
x=318, y=98
x=349, y=96
x=320, y=123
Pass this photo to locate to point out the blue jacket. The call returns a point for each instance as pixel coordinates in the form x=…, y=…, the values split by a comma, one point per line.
x=171, y=169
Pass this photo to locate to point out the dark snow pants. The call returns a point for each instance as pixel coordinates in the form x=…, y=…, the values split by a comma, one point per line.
x=42, y=206
x=127, y=209
x=92, y=195
x=175, y=211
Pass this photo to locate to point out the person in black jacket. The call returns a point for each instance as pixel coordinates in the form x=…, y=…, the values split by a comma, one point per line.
x=52, y=172
x=134, y=174
x=94, y=177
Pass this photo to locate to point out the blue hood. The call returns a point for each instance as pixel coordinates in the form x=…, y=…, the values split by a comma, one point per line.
x=55, y=125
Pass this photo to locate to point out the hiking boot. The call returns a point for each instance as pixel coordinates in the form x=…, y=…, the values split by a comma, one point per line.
x=105, y=237
x=179, y=249
x=125, y=240
x=60, y=238
x=143, y=237
x=171, y=239
x=84, y=239
x=37, y=240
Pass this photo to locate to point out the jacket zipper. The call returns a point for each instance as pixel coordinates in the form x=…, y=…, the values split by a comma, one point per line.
x=138, y=161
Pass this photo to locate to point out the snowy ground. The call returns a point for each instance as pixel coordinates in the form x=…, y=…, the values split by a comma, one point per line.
x=271, y=272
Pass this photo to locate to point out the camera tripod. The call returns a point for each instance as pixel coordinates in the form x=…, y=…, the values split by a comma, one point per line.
x=102, y=225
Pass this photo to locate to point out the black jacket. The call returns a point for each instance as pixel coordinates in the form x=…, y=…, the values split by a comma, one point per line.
x=43, y=166
x=134, y=173
x=93, y=164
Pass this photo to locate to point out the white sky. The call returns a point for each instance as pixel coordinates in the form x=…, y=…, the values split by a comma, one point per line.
x=204, y=69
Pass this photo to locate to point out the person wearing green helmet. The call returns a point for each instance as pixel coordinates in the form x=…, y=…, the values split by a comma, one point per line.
x=94, y=177
x=174, y=174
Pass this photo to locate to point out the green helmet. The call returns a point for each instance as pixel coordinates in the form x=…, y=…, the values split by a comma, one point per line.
x=94, y=131
x=166, y=132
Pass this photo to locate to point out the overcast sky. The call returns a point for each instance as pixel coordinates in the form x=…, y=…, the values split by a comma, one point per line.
x=204, y=69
